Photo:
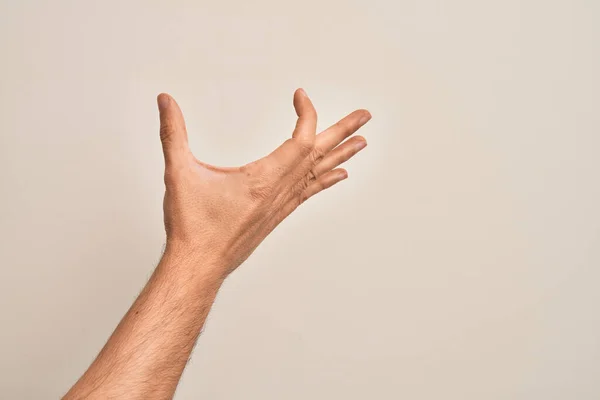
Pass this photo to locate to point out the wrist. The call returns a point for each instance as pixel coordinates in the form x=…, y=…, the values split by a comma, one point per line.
x=193, y=262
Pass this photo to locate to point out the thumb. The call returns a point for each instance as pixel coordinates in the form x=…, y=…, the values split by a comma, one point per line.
x=173, y=134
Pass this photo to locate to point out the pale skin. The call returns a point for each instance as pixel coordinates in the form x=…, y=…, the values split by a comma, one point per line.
x=214, y=219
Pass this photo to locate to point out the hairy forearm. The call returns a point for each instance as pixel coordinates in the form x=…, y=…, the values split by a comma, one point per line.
x=147, y=352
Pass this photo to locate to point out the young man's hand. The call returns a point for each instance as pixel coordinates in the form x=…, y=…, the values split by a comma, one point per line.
x=224, y=213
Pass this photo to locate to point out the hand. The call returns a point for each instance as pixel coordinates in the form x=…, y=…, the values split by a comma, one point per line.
x=224, y=213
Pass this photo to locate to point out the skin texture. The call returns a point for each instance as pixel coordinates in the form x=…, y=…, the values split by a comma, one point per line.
x=214, y=219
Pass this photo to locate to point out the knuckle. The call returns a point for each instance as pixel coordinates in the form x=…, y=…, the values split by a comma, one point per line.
x=165, y=131
x=316, y=155
x=301, y=186
x=306, y=146
x=306, y=181
x=302, y=197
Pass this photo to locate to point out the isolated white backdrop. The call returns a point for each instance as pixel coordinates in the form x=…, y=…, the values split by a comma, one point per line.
x=459, y=260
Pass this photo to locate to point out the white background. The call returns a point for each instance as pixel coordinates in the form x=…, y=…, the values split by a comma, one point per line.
x=460, y=260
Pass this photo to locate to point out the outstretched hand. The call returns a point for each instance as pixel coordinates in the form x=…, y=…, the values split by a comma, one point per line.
x=214, y=218
x=225, y=213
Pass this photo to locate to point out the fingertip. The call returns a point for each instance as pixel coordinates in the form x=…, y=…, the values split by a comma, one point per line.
x=301, y=92
x=163, y=101
x=303, y=105
x=299, y=97
x=361, y=143
x=365, y=117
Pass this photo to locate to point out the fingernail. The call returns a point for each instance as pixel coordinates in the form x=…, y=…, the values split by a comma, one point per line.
x=343, y=174
x=361, y=144
x=303, y=92
x=363, y=120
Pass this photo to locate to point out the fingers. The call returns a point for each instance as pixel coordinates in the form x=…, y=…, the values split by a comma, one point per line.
x=345, y=127
x=323, y=182
x=173, y=134
x=294, y=150
x=339, y=155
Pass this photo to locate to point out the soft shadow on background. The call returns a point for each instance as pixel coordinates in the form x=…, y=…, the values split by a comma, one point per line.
x=459, y=261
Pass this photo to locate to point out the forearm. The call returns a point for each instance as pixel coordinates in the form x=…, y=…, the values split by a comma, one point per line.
x=147, y=352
